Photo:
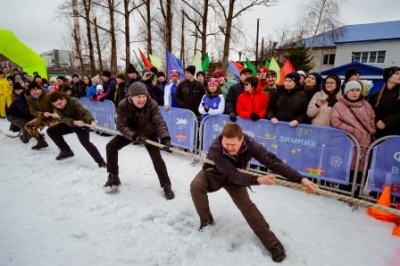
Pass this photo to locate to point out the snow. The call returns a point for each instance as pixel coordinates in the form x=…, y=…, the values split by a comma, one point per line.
x=56, y=213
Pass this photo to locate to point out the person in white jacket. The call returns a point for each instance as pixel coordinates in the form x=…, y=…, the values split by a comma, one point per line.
x=170, y=90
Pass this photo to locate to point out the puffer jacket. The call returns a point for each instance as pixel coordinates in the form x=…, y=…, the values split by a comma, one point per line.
x=225, y=171
x=342, y=117
x=288, y=105
x=147, y=122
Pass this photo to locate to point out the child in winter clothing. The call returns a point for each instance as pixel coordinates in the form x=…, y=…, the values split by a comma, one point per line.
x=213, y=102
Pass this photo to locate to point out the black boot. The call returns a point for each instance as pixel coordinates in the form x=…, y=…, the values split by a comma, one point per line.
x=40, y=144
x=113, y=181
x=168, y=193
x=102, y=164
x=65, y=154
x=277, y=252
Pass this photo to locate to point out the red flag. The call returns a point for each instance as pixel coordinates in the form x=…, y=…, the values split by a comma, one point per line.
x=286, y=69
x=238, y=66
x=146, y=62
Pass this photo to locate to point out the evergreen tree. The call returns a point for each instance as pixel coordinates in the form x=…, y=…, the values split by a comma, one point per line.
x=301, y=57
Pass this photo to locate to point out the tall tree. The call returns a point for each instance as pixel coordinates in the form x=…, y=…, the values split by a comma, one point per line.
x=128, y=9
x=87, y=6
x=199, y=21
x=235, y=10
x=166, y=12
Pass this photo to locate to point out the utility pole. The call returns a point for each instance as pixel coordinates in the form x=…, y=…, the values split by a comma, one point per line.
x=258, y=26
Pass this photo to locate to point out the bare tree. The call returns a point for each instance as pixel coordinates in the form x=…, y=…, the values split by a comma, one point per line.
x=319, y=16
x=235, y=10
x=128, y=9
x=87, y=6
x=166, y=12
x=96, y=30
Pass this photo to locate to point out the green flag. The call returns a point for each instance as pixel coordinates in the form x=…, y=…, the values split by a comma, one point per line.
x=267, y=63
x=249, y=65
x=206, y=62
x=138, y=61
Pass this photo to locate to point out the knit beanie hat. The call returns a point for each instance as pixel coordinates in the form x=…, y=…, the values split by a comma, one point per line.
x=138, y=88
x=352, y=85
x=106, y=73
x=388, y=72
x=191, y=69
x=295, y=77
x=213, y=81
x=218, y=73
x=121, y=76
x=131, y=69
x=350, y=72
x=145, y=70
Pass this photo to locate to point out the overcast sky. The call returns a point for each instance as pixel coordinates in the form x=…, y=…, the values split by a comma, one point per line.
x=35, y=22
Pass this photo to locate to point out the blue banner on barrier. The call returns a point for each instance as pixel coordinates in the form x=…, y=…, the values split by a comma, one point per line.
x=319, y=152
x=385, y=166
x=103, y=112
x=182, y=127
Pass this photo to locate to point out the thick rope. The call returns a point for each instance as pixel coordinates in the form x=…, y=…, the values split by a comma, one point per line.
x=281, y=182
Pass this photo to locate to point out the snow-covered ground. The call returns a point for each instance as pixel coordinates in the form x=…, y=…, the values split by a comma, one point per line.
x=56, y=213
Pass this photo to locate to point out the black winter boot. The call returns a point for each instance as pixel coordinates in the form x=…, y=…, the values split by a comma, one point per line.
x=65, y=154
x=113, y=181
x=277, y=252
x=40, y=144
x=168, y=193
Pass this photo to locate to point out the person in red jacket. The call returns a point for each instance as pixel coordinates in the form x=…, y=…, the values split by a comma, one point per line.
x=252, y=102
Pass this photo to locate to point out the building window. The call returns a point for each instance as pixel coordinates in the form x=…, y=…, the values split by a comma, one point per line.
x=356, y=57
x=329, y=59
x=372, y=57
x=364, y=57
x=369, y=57
x=381, y=57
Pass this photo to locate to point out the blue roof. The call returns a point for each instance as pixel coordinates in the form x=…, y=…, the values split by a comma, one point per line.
x=378, y=31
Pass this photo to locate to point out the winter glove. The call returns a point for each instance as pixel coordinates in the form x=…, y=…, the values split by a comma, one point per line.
x=254, y=116
x=140, y=139
x=232, y=117
x=166, y=141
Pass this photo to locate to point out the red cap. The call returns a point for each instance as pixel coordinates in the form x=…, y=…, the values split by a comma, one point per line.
x=263, y=69
x=218, y=73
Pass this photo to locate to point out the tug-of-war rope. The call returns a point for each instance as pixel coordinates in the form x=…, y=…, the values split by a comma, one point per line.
x=326, y=193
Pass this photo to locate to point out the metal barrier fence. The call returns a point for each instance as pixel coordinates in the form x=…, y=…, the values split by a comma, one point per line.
x=323, y=154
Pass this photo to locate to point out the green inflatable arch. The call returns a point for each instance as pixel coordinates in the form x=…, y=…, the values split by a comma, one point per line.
x=21, y=54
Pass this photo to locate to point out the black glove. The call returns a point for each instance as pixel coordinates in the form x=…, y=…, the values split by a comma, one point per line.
x=232, y=117
x=254, y=116
x=140, y=139
x=166, y=141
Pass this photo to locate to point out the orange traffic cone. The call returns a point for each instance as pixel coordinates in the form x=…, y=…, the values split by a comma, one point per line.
x=396, y=231
x=384, y=200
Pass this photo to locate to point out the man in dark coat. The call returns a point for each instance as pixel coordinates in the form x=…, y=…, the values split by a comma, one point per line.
x=18, y=113
x=231, y=151
x=190, y=92
x=139, y=119
x=73, y=117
